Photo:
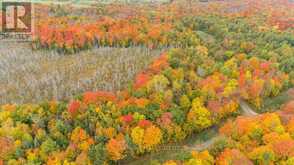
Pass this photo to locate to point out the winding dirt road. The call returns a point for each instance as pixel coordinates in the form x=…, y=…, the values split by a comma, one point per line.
x=205, y=145
x=246, y=111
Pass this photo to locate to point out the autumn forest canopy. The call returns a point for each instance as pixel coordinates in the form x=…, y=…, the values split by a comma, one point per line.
x=119, y=82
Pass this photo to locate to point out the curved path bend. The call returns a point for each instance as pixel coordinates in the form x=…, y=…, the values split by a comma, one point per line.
x=246, y=110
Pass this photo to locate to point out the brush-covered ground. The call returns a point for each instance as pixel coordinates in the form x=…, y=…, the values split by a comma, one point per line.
x=28, y=76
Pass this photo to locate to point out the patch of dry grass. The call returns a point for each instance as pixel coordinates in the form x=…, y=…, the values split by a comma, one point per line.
x=34, y=76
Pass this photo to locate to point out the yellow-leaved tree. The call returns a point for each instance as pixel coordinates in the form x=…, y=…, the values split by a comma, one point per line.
x=199, y=117
x=146, y=139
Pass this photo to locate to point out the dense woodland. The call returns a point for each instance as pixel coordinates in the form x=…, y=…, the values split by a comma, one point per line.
x=214, y=56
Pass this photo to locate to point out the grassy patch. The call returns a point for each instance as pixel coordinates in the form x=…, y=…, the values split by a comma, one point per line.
x=272, y=104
